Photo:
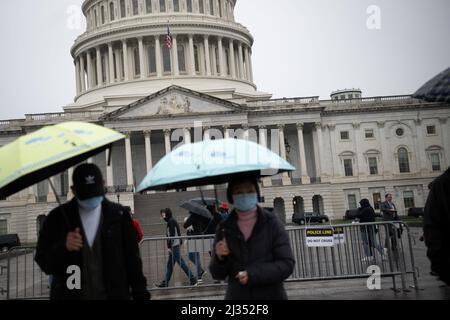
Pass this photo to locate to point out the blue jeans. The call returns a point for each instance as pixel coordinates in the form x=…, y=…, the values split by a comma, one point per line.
x=370, y=241
x=175, y=257
x=195, y=258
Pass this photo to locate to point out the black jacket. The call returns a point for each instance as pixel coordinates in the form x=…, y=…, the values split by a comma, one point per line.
x=199, y=224
x=266, y=256
x=436, y=226
x=122, y=265
x=172, y=231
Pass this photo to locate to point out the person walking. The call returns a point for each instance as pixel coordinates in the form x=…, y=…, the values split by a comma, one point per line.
x=251, y=248
x=436, y=226
x=95, y=237
x=390, y=213
x=173, y=244
x=196, y=226
x=366, y=214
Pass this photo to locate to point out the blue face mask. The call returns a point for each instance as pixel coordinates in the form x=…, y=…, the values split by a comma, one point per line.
x=246, y=201
x=91, y=203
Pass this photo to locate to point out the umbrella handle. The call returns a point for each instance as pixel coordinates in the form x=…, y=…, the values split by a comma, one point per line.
x=59, y=202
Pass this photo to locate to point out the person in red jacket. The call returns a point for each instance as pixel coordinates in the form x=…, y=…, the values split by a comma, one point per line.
x=136, y=224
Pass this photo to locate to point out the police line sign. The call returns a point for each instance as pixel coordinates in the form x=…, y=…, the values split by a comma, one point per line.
x=320, y=237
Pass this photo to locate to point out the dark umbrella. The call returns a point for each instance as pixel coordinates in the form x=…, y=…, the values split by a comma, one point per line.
x=204, y=201
x=437, y=89
x=196, y=208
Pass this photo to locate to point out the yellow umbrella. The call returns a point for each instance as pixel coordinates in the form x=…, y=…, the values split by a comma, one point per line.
x=49, y=151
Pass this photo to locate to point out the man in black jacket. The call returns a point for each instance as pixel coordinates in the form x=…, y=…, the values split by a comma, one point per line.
x=88, y=245
x=436, y=226
x=173, y=245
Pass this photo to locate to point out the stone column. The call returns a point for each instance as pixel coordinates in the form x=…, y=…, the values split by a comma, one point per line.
x=285, y=177
x=176, y=69
x=421, y=158
x=159, y=62
x=241, y=61
x=250, y=65
x=267, y=181
x=142, y=58
x=111, y=63
x=99, y=67
x=386, y=163
x=128, y=158
x=187, y=136
x=207, y=57
x=232, y=62
x=358, y=160
x=51, y=196
x=226, y=132
x=125, y=60
x=331, y=131
x=246, y=128
x=221, y=59
x=301, y=149
x=191, y=55
x=247, y=68
x=119, y=70
x=148, y=150
x=77, y=76
x=167, y=133
x=82, y=74
x=317, y=163
x=89, y=70
x=321, y=151
x=109, y=171
x=445, y=163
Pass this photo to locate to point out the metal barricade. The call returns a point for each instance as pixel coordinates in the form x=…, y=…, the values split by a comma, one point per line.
x=347, y=258
x=3, y=275
x=25, y=280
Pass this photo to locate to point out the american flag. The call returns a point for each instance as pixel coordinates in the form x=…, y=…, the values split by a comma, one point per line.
x=169, y=38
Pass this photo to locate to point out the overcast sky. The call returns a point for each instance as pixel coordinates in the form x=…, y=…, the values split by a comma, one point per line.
x=302, y=48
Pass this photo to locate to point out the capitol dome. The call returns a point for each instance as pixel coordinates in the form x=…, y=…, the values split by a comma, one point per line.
x=123, y=55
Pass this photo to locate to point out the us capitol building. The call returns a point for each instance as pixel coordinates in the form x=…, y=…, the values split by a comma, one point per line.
x=346, y=148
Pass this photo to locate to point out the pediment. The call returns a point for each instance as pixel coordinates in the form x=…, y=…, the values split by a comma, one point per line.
x=173, y=101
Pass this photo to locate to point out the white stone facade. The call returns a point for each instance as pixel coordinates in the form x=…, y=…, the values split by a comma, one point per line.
x=343, y=149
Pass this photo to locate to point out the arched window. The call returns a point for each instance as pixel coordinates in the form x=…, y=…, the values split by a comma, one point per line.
x=103, y=14
x=201, y=6
x=318, y=204
x=166, y=59
x=181, y=59
x=135, y=6
x=197, y=59
x=403, y=160
x=211, y=7
x=123, y=12
x=162, y=5
x=176, y=5
x=151, y=59
x=111, y=11
x=189, y=5
x=148, y=6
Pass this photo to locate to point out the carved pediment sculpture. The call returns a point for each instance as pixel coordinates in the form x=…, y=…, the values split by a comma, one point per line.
x=174, y=106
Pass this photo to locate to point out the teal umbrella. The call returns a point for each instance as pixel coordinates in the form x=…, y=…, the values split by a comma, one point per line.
x=212, y=162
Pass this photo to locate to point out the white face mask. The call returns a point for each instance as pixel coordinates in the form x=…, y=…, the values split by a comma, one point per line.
x=91, y=203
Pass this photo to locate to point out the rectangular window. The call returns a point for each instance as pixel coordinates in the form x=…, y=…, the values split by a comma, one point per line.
x=135, y=7
x=376, y=201
x=369, y=134
x=111, y=11
x=103, y=61
x=373, y=166
x=435, y=162
x=352, y=201
x=345, y=135
x=201, y=6
x=408, y=199
x=162, y=5
x=103, y=15
x=3, y=226
x=431, y=130
x=181, y=59
x=211, y=7
x=123, y=12
x=148, y=6
x=176, y=5
x=166, y=60
x=151, y=59
x=348, y=167
x=189, y=5
x=220, y=8
x=95, y=18
x=137, y=65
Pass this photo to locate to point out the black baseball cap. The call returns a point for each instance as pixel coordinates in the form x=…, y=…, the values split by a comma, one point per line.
x=88, y=181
